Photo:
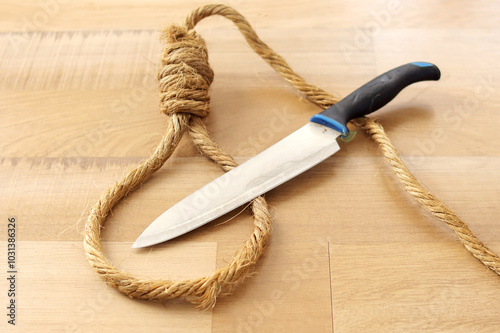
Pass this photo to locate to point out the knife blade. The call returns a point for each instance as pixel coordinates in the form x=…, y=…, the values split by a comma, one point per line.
x=286, y=159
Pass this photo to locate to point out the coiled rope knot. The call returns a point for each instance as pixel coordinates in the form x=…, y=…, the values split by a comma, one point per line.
x=184, y=76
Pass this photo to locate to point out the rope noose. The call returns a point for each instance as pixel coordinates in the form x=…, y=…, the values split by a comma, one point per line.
x=184, y=80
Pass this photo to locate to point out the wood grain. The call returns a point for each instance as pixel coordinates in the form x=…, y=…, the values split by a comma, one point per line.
x=350, y=251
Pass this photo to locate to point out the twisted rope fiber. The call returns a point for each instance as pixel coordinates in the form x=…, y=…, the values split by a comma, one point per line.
x=184, y=79
x=428, y=201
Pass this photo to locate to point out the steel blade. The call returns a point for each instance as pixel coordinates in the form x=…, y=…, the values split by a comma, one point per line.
x=291, y=156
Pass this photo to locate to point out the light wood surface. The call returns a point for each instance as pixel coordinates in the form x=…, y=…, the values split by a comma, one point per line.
x=350, y=251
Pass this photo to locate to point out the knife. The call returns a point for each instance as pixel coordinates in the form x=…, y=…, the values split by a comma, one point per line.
x=288, y=158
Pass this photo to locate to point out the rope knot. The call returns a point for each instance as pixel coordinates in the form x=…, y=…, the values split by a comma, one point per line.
x=184, y=76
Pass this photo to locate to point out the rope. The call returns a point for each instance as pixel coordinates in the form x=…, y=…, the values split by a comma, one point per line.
x=184, y=80
x=428, y=201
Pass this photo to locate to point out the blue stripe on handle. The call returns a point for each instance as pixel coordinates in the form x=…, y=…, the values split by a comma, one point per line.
x=422, y=64
x=328, y=122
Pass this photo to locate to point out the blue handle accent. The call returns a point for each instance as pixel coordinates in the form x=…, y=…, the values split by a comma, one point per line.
x=422, y=64
x=329, y=122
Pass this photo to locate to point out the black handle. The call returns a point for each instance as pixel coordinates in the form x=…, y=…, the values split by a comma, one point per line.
x=375, y=94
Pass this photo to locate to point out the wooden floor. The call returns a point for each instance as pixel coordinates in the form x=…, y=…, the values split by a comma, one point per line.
x=350, y=251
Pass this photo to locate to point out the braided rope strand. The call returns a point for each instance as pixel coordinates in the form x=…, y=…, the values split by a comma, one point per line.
x=428, y=201
x=310, y=91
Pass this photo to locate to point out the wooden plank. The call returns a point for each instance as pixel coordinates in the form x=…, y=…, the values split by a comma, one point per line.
x=404, y=286
x=291, y=275
x=57, y=289
x=51, y=198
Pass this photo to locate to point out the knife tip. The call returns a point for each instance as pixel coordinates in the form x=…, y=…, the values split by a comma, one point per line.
x=144, y=242
x=137, y=245
x=149, y=239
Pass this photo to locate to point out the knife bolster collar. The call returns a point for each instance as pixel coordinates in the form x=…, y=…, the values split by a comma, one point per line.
x=329, y=122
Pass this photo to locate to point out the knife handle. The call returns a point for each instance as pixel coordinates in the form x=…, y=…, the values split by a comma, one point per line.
x=375, y=94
